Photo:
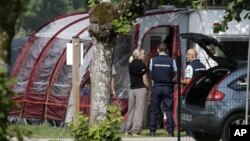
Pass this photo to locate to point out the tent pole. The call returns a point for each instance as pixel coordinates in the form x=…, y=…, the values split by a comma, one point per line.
x=76, y=79
x=248, y=68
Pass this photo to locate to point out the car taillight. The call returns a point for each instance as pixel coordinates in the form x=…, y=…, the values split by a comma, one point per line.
x=215, y=95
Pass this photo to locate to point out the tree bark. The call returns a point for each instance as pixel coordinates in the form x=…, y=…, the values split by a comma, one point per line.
x=100, y=80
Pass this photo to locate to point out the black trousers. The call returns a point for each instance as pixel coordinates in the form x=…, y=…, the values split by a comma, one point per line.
x=162, y=94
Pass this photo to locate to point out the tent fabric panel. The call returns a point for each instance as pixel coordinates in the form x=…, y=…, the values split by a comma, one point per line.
x=57, y=108
x=56, y=113
x=122, y=50
x=85, y=102
x=44, y=52
x=30, y=41
x=52, y=28
x=62, y=84
x=44, y=72
x=57, y=69
x=16, y=110
x=16, y=47
x=59, y=65
x=34, y=106
x=22, y=55
x=28, y=63
x=33, y=110
x=72, y=31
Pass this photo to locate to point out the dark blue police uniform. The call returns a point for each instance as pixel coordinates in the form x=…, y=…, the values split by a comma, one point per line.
x=197, y=66
x=162, y=75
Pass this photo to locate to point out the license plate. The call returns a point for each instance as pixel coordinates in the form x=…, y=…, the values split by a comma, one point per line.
x=186, y=117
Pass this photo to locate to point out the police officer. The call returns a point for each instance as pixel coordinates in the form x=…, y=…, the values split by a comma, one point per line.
x=194, y=66
x=163, y=70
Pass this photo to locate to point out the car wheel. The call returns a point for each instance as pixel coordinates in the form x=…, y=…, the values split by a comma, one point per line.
x=198, y=136
x=237, y=119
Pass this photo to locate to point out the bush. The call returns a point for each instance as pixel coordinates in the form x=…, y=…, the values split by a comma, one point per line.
x=106, y=130
x=5, y=104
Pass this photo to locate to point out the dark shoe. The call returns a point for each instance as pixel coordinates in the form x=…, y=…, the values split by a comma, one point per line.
x=152, y=134
x=171, y=134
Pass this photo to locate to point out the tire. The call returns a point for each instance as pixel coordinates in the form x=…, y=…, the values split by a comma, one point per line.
x=199, y=136
x=237, y=119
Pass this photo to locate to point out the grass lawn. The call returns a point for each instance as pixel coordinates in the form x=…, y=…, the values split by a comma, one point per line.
x=43, y=131
x=47, y=131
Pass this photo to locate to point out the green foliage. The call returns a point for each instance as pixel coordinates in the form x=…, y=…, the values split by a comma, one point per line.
x=129, y=11
x=200, y=4
x=106, y=130
x=92, y=3
x=5, y=104
x=233, y=11
x=101, y=17
x=116, y=20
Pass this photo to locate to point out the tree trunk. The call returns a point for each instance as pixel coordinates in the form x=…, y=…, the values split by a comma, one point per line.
x=100, y=80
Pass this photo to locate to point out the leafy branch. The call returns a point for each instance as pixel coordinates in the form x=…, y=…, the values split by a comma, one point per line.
x=233, y=12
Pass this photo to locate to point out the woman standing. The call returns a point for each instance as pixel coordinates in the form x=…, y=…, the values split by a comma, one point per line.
x=137, y=93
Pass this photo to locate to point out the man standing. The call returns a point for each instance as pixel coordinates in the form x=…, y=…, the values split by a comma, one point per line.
x=163, y=69
x=194, y=67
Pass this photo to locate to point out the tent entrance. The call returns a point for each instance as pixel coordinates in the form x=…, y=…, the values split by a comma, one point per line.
x=167, y=34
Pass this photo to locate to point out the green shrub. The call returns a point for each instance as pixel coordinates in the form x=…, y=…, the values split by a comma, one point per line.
x=5, y=104
x=106, y=130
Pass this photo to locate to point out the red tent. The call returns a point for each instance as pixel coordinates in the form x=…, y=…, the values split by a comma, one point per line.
x=44, y=80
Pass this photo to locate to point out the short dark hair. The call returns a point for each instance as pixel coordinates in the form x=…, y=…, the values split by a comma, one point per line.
x=162, y=48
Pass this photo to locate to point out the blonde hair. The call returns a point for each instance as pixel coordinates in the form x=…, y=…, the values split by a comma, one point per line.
x=136, y=54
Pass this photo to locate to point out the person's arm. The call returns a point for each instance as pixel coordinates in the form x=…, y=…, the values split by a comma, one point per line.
x=188, y=75
x=145, y=80
x=185, y=81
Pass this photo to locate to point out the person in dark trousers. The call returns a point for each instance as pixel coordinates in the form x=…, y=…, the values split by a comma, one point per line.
x=163, y=70
x=194, y=66
x=137, y=93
